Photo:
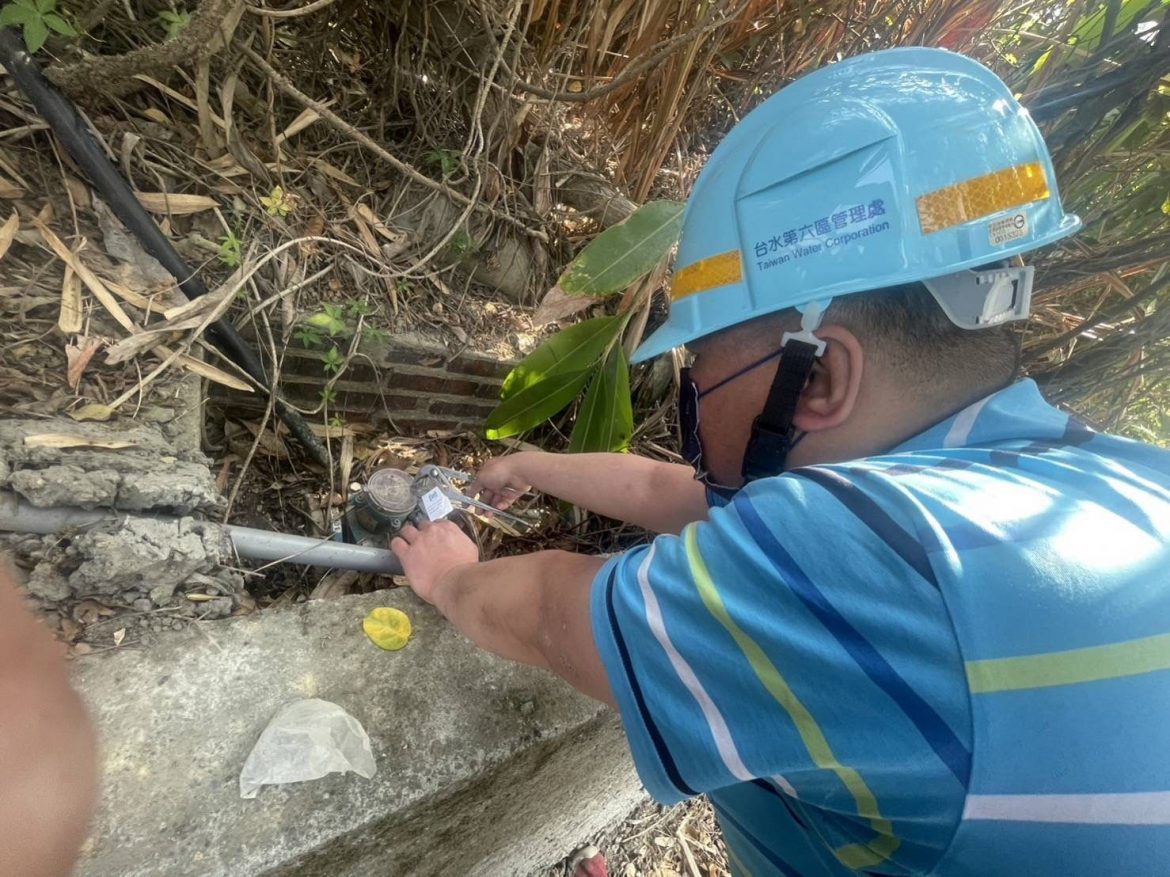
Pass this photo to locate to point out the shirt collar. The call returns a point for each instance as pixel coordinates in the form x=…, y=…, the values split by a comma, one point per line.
x=1016, y=413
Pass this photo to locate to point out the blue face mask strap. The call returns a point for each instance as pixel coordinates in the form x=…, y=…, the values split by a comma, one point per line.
x=742, y=371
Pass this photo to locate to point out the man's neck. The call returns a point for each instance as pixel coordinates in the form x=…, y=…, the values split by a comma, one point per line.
x=879, y=428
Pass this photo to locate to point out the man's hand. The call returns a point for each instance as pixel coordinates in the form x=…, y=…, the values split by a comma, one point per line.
x=431, y=551
x=502, y=481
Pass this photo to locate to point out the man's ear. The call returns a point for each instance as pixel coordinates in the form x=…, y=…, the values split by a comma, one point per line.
x=831, y=393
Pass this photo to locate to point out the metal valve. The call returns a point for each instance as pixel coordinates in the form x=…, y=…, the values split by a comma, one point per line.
x=391, y=498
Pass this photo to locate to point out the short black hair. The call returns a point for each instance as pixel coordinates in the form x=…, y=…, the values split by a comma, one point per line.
x=906, y=329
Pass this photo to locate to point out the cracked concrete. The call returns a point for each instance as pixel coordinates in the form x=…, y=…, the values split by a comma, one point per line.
x=131, y=562
x=150, y=473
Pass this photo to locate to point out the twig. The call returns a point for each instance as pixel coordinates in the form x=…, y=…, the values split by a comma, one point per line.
x=291, y=13
x=327, y=115
x=656, y=56
x=692, y=866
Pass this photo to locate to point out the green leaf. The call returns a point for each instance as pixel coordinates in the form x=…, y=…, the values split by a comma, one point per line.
x=536, y=403
x=27, y=4
x=46, y=5
x=60, y=25
x=572, y=349
x=606, y=419
x=35, y=34
x=308, y=337
x=13, y=14
x=327, y=322
x=332, y=360
x=626, y=252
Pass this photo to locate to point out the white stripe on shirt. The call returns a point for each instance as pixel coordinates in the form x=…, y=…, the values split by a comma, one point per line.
x=715, y=721
x=1128, y=808
x=960, y=430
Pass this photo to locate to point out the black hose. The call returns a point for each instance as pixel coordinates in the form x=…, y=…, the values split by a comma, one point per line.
x=73, y=133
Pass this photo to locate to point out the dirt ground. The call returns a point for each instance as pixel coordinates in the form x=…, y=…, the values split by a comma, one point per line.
x=657, y=841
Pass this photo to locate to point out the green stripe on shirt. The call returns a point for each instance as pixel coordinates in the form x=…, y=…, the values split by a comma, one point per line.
x=854, y=856
x=1113, y=661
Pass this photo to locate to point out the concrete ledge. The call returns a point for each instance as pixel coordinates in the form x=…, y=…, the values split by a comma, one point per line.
x=483, y=767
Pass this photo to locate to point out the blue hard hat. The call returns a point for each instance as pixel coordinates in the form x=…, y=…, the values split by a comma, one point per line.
x=898, y=166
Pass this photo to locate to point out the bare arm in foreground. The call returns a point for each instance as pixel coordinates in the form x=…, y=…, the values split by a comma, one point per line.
x=47, y=759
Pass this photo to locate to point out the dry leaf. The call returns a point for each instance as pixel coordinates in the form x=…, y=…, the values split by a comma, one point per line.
x=269, y=442
x=124, y=247
x=78, y=353
x=8, y=189
x=175, y=205
x=335, y=172
x=128, y=348
x=157, y=115
x=211, y=373
x=130, y=296
x=189, y=315
x=89, y=611
x=376, y=223
x=8, y=232
x=62, y=440
x=79, y=192
x=70, y=629
x=560, y=305
x=300, y=123
x=119, y=635
x=364, y=232
x=167, y=90
x=91, y=280
x=93, y=411
x=69, y=319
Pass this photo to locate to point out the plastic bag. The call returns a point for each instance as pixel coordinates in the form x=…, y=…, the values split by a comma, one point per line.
x=306, y=740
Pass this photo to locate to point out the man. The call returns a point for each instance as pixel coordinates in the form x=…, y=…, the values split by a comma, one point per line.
x=47, y=764
x=910, y=619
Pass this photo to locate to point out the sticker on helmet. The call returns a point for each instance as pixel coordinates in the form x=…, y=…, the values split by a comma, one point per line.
x=834, y=230
x=1007, y=228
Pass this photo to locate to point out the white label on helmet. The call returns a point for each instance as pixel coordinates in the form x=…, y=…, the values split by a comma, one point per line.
x=1008, y=229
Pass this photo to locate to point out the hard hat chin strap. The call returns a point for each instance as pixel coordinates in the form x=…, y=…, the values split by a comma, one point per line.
x=773, y=434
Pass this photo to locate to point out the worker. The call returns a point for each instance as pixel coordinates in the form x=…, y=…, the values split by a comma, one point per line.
x=48, y=774
x=904, y=616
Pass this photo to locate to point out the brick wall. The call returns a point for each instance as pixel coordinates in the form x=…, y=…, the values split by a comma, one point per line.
x=416, y=385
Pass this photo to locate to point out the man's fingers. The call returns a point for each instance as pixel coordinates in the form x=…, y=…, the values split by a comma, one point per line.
x=398, y=545
x=409, y=533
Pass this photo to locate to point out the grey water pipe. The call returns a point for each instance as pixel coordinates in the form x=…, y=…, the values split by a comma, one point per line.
x=19, y=516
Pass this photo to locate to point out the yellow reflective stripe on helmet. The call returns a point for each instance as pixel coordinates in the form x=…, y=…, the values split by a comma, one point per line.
x=707, y=274
x=982, y=196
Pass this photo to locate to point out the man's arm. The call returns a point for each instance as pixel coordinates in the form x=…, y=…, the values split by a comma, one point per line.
x=660, y=497
x=533, y=608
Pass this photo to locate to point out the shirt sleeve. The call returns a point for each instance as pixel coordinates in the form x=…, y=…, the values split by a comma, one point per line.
x=785, y=639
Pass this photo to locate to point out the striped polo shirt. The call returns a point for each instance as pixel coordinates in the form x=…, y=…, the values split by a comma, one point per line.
x=950, y=659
